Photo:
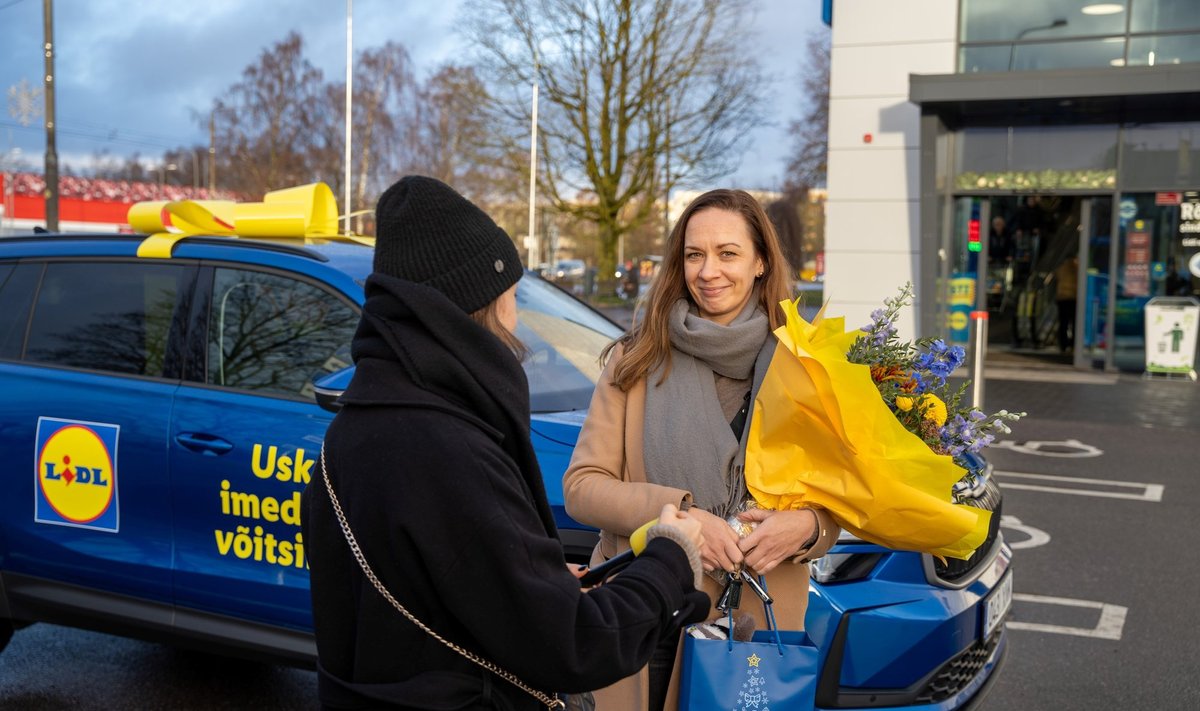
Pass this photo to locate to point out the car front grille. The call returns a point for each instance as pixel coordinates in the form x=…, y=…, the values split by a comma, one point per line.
x=954, y=570
x=959, y=672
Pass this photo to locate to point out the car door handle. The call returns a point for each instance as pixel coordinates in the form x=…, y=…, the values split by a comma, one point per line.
x=204, y=443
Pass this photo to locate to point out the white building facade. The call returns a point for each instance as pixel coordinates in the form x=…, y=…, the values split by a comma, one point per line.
x=1039, y=162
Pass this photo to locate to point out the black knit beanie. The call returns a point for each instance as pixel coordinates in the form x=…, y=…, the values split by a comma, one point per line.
x=428, y=233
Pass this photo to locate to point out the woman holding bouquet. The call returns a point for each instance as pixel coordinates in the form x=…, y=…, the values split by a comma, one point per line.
x=668, y=420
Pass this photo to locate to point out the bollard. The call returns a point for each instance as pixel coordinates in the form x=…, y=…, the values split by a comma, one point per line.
x=980, y=319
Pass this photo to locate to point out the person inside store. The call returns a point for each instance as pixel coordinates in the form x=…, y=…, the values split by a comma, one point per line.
x=428, y=478
x=1065, y=288
x=697, y=352
x=999, y=247
x=1177, y=281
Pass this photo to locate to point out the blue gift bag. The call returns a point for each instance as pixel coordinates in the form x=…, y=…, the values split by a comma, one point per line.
x=774, y=671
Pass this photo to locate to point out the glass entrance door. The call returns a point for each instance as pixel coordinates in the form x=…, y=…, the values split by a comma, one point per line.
x=1091, y=316
x=1040, y=265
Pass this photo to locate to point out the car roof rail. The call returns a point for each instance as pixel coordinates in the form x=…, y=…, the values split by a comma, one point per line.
x=305, y=214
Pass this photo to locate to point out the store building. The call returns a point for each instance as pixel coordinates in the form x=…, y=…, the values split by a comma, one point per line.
x=1037, y=160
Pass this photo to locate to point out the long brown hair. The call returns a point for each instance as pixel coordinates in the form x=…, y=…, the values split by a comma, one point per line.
x=488, y=316
x=648, y=344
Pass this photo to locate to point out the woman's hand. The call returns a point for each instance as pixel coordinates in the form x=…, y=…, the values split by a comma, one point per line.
x=778, y=536
x=720, y=549
x=684, y=522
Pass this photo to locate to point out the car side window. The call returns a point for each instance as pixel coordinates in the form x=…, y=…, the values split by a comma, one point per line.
x=270, y=333
x=17, y=284
x=107, y=316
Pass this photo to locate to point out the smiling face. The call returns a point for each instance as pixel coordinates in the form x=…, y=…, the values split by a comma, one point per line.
x=720, y=263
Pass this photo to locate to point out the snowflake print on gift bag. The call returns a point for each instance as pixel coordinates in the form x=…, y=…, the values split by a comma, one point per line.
x=774, y=669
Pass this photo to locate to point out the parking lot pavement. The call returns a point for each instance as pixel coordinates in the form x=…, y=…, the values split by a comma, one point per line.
x=1124, y=399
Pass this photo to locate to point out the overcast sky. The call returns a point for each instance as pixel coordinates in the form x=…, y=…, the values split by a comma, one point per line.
x=132, y=76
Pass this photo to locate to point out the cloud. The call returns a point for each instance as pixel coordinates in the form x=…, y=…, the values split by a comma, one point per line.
x=134, y=76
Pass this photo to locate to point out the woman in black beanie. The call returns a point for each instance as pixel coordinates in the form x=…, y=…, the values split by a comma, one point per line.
x=436, y=482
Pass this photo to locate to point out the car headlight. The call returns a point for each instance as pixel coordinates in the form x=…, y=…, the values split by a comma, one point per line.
x=843, y=567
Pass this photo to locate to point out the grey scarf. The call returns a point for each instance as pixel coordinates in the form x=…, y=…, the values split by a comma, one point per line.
x=688, y=442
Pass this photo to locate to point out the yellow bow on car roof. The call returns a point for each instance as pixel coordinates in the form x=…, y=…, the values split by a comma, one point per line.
x=306, y=213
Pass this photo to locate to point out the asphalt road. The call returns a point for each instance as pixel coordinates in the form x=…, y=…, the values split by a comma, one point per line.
x=50, y=668
x=1106, y=588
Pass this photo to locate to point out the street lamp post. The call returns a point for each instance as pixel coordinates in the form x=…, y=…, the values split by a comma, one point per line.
x=349, y=110
x=162, y=174
x=51, y=170
x=1012, y=46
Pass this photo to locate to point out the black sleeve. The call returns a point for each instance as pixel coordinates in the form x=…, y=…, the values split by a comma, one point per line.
x=505, y=580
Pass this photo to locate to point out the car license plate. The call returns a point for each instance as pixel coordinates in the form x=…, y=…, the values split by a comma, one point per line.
x=996, y=606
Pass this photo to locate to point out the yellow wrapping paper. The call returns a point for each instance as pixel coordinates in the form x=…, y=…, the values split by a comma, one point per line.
x=823, y=436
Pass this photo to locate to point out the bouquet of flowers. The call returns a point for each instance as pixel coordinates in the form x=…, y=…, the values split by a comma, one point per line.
x=912, y=379
x=864, y=426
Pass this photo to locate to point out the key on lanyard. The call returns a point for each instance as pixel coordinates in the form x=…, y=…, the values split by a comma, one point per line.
x=756, y=587
x=731, y=596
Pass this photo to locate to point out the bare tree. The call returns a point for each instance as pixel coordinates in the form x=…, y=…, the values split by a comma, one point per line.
x=810, y=134
x=385, y=96
x=265, y=123
x=624, y=85
x=452, y=140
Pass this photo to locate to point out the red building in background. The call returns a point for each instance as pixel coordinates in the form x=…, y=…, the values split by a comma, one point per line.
x=84, y=204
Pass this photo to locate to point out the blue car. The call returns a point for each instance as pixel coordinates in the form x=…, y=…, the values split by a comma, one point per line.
x=164, y=407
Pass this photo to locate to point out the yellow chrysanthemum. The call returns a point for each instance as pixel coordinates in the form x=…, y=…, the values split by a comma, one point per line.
x=932, y=407
x=935, y=409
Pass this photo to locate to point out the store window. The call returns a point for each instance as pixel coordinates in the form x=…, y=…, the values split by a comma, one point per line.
x=1159, y=256
x=1036, y=158
x=1012, y=22
x=999, y=35
x=1165, y=15
x=1161, y=155
x=1164, y=50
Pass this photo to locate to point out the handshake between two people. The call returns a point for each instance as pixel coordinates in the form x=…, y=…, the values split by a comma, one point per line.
x=774, y=537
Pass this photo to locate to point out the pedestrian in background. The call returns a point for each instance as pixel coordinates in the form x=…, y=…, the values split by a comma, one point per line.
x=1066, y=277
x=667, y=423
x=433, y=470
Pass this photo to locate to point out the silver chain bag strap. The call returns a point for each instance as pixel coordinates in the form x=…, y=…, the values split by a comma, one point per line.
x=551, y=701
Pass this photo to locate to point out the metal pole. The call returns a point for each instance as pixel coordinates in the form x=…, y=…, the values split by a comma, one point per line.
x=349, y=103
x=51, y=170
x=981, y=327
x=212, y=153
x=195, y=171
x=534, y=256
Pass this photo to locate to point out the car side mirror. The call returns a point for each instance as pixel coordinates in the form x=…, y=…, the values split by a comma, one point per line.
x=328, y=388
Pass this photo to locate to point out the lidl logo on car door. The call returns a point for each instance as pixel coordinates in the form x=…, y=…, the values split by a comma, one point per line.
x=75, y=468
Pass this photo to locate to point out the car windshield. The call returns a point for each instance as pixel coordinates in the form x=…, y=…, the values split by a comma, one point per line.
x=564, y=337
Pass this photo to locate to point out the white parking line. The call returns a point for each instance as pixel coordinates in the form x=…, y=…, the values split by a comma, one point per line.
x=1051, y=448
x=1149, y=492
x=1110, y=625
x=1037, y=537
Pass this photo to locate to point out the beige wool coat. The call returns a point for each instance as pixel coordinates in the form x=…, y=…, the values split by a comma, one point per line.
x=606, y=486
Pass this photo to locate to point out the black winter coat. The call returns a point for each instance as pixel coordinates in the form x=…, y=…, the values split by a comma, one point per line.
x=431, y=460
